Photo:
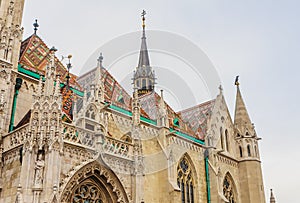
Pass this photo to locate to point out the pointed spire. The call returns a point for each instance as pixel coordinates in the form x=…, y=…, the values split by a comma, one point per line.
x=144, y=57
x=241, y=116
x=99, y=86
x=241, y=113
x=50, y=73
x=272, y=198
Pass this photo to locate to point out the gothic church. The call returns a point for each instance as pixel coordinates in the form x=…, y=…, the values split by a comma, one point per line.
x=84, y=139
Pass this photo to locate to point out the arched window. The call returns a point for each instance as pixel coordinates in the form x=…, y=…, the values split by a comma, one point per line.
x=150, y=84
x=90, y=113
x=144, y=84
x=138, y=83
x=222, y=138
x=88, y=192
x=226, y=140
x=228, y=189
x=248, y=150
x=185, y=181
x=241, y=151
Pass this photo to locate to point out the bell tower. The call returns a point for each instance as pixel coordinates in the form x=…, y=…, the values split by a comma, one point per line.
x=144, y=77
x=250, y=173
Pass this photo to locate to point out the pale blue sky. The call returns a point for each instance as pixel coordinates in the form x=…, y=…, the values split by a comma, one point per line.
x=258, y=40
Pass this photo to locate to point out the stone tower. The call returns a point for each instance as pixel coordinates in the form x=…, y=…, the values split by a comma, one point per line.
x=144, y=77
x=10, y=40
x=250, y=173
x=11, y=12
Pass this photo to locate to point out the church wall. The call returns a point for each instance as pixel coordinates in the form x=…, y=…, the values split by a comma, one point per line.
x=251, y=183
x=10, y=175
x=25, y=99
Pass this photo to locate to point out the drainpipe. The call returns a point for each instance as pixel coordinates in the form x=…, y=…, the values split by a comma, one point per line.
x=14, y=105
x=207, y=176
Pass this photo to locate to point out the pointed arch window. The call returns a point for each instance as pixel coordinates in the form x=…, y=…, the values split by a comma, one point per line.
x=90, y=113
x=144, y=84
x=248, y=150
x=228, y=189
x=185, y=181
x=88, y=192
x=241, y=151
x=226, y=140
x=222, y=138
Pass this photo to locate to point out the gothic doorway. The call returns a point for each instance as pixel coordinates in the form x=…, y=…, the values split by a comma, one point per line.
x=94, y=183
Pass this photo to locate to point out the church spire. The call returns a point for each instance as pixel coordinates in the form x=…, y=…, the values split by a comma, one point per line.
x=272, y=198
x=144, y=57
x=241, y=116
x=144, y=77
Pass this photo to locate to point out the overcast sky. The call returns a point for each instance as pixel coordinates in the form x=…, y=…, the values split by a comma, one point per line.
x=258, y=40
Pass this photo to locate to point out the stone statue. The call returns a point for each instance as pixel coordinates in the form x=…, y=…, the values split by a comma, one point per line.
x=39, y=169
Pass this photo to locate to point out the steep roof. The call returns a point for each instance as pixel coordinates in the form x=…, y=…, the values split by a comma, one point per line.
x=241, y=116
x=198, y=116
x=114, y=92
x=34, y=56
x=149, y=103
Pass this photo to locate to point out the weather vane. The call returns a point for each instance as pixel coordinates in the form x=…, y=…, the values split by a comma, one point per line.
x=35, y=25
x=143, y=18
x=237, y=81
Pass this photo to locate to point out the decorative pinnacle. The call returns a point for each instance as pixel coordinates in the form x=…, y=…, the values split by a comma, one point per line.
x=237, y=81
x=35, y=25
x=143, y=18
x=69, y=66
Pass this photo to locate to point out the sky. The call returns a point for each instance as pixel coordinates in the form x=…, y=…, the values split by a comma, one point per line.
x=257, y=40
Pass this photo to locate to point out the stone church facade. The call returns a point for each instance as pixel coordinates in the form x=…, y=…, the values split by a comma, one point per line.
x=84, y=139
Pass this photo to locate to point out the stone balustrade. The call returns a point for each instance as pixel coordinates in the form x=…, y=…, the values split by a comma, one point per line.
x=15, y=138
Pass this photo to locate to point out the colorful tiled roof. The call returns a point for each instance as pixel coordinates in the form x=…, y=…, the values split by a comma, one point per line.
x=34, y=56
x=149, y=103
x=197, y=117
x=114, y=92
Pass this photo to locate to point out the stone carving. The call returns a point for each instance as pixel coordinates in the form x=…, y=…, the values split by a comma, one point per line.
x=39, y=170
x=96, y=170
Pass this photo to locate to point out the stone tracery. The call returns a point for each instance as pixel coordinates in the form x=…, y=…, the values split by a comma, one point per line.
x=228, y=189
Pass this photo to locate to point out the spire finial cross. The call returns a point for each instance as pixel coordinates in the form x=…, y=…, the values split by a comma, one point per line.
x=143, y=18
x=35, y=25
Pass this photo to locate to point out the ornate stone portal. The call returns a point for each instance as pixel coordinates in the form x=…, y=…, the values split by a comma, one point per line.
x=93, y=183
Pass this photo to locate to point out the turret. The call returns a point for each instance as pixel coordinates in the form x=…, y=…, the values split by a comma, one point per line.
x=251, y=183
x=144, y=77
